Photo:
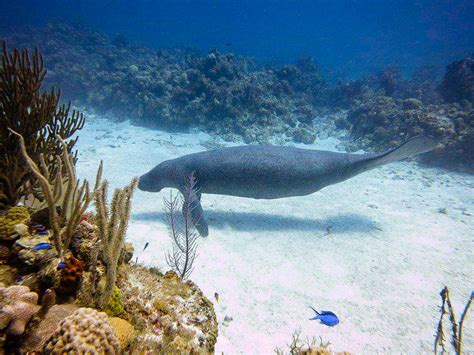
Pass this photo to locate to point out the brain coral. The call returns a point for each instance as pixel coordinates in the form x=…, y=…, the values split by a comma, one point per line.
x=86, y=331
x=123, y=330
x=14, y=216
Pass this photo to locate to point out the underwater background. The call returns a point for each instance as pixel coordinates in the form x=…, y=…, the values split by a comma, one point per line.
x=157, y=80
x=346, y=37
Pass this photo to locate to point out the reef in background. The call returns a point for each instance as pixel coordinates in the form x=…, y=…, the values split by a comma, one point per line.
x=179, y=88
x=233, y=97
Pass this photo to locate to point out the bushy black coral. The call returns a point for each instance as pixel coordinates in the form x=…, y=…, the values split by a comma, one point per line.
x=33, y=114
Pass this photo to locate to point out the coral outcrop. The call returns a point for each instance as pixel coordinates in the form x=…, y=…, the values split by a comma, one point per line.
x=86, y=331
x=458, y=82
x=70, y=276
x=231, y=96
x=380, y=122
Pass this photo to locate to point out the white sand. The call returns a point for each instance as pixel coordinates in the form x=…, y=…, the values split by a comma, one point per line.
x=388, y=253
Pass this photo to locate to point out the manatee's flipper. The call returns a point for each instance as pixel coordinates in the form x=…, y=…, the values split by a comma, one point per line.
x=197, y=215
x=412, y=147
x=198, y=218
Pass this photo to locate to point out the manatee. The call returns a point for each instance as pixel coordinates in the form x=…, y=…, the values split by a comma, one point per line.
x=268, y=172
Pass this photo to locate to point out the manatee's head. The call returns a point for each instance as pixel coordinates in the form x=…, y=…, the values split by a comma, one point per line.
x=161, y=176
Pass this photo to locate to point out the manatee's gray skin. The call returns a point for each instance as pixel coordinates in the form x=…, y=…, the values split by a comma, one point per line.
x=268, y=172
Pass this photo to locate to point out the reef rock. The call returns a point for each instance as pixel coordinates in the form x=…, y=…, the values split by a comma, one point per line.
x=7, y=275
x=33, y=258
x=168, y=312
x=40, y=333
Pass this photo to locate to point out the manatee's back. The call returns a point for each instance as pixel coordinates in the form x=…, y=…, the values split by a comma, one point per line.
x=263, y=171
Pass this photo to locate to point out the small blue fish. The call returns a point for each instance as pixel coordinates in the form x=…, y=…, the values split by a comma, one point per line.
x=41, y=232
x=325, y=317
x=61, y=265
x=41, y=246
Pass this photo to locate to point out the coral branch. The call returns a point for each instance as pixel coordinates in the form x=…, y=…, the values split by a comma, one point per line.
x=112, y=224
x=47, y=192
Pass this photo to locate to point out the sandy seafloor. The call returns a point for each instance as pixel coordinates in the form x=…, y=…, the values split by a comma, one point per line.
x=374, y=249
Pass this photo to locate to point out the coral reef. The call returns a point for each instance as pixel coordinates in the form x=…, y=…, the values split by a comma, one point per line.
x=70, y=276
x=115, y=305
x=84, y=331
x=232, y=97
x=41, y=332
x=70, y=257
x=28, y=258
x=176, y=88
x=75, y=199
x=314, y=346
x=236, y=99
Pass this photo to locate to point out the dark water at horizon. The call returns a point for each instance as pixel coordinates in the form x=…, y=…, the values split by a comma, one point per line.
x=346, y=37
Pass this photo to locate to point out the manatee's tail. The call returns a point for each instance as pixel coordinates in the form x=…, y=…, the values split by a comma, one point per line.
x=411, y=148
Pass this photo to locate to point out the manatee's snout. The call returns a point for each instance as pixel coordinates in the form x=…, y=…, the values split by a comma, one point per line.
x=141, y=183
x=152, y=181
x=145, y=183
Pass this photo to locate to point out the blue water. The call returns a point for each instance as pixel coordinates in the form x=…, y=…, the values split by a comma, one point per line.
x=346, y=37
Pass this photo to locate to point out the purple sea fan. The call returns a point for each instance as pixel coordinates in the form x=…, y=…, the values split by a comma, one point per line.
x=181, y=230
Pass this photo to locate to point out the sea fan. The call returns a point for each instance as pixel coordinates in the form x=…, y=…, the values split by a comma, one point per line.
x=181, y=230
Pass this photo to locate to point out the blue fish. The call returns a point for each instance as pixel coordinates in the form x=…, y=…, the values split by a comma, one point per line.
x=61, y=265
x=41, y=246
x=41, y=232
x=325, y=317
